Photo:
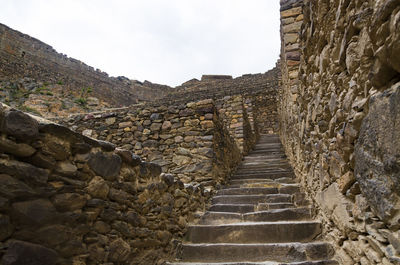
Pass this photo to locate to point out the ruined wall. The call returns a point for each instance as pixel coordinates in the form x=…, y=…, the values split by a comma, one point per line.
x=67, y=198
x=181, y=137
x=339, y=117
x=22, y=56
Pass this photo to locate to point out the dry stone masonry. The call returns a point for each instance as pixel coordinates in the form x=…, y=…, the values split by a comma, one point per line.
x=178, y=177
x=339, y=115
x=69, y=199
x=188, y=139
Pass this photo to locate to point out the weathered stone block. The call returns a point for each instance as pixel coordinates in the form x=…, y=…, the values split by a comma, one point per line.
x=12, y=188
x=20, y=125
x=17, y=149
x=69, y=201
x=376, y=153
x=119, y=250
x=24, y=171
x=36, y=212
x=20, y=252
x=291, y=12
x=105, y=165
x=98, y=188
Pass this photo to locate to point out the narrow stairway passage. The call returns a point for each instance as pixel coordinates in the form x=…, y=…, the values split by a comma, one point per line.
x=260, y=217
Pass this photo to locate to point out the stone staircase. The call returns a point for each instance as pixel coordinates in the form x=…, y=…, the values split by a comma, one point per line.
x=259, y=218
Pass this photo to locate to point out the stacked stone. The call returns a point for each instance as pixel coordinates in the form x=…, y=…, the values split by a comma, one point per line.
x=231, y=111
x=217, y=89
x=265, y=112
x=252, y=129
x=180, y=137
x=340, y=120
x=69, y=199
x=291, y=21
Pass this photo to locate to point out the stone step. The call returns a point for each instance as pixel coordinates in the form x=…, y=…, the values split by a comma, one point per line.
x=295, y=214
x=255, y=232
x=289, y=188
x=267, y=165
x=262, y=170
x=259, y=188
x=232, y=208
x=268, y=139
x=252, y=198
x=255, y=182
x=267, y=146
x=263, y=163
x=258, y=155
x=266, y=169
x=263, y=167
x=267, y=152
x=229, y=252
x=260, y=182
x=279, y=198
x=263, y=158
x=239, y=199
x=298, y=214
x=271, y=206
x=320, y=262
x=215, y=218
x=263, y=175
x=249, y=181
x=247, y=191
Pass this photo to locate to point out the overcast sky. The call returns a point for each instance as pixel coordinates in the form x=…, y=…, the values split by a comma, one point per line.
x=163, y=41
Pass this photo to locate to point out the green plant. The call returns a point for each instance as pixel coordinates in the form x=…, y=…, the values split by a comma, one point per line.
x=41, y=89
x=81, y=101
x=60, y=82
x=86, y=91
x=49, y=93
x=29, y=109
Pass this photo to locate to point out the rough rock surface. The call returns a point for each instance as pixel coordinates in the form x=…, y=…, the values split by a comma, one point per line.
x=90, y=204
x=377, y=155
x=339, y=115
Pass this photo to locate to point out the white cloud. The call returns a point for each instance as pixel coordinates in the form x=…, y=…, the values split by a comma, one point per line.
x=162, y=41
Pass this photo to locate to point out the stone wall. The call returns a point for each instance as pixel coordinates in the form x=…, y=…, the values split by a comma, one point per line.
x=265, y=112
x=22, y=56
x=249, y=84
x=234, y=115
x=69, y=199
x=339, y=119
x=181, y=137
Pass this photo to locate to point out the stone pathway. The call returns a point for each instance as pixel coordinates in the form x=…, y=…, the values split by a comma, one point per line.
x=259, y=218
